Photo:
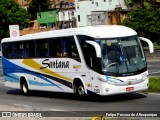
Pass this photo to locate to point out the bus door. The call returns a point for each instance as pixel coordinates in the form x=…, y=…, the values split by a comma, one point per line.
x=94, y=65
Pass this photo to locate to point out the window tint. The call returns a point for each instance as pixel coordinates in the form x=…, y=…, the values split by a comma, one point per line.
x=82, y=41
x=63, y=47
x=13, y=50
x=89, y=53
x=41, y=48
x=70, y=48
x=53, y=47
x=17, y=50
x=29, y=49
x=7, y=50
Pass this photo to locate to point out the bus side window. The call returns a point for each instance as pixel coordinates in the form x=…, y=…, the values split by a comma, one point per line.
x=51, y=51
x=17, y=50
x=29, y=51
x=70, y=48
x=41, y=48
x=55, y=47
x=58, y=47
x=65, y=47
x=7, y=50
x=89, y=53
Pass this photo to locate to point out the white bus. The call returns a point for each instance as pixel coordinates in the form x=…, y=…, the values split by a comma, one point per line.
x=103, y=60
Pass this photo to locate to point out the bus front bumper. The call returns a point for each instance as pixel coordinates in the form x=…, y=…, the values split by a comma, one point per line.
x=108, y=89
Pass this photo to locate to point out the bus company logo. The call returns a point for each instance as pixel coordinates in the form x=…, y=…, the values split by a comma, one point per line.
x=76, y=66
x=54, y=64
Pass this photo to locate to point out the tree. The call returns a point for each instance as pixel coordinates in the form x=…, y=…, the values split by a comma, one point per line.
x=37, y=6
x=145, y=19
x=11, y=14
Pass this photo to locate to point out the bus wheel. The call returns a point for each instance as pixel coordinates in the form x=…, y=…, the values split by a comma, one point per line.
x=80, y=90
x=24, y=87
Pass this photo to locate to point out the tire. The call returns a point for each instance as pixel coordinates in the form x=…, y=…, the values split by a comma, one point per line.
x=80, y=90
x=24, y=88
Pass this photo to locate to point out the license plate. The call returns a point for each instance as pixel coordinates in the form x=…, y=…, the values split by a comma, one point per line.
x=130, y=89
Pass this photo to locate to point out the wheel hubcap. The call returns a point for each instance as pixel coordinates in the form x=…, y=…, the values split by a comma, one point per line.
x=81, y=90
x=24, y=88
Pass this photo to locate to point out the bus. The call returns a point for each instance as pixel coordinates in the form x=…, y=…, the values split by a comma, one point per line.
x=102, y=60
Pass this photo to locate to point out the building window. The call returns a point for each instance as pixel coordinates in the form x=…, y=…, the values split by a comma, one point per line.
x=39, y=15
x=50, y=14
x=79, y=18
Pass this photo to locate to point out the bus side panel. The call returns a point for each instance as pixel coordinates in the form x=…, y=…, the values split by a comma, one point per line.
x=36, y=79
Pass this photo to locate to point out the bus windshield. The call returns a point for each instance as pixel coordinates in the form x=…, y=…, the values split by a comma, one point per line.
x=121, y=55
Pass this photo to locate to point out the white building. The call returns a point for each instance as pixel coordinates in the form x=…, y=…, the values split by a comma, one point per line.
x=92, y=12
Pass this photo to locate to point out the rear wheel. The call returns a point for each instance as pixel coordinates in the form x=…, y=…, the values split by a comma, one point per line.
x=24, y=87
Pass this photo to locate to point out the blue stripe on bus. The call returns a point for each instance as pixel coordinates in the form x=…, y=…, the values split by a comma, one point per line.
x=17, y=69
x=39, y=83
x=11, y=78
x=14, y=78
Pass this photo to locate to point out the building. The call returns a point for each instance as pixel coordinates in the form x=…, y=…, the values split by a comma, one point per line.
x=95, y=12
x=47, y=19
x=58, y=3
x=79, y=13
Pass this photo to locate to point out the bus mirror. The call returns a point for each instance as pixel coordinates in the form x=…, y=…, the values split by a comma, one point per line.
x=96, y=46
x=150, y=44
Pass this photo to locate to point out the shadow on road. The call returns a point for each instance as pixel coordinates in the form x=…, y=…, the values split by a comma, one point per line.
x=89, y=98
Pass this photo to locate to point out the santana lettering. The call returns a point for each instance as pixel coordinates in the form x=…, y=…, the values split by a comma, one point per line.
x=55, y=64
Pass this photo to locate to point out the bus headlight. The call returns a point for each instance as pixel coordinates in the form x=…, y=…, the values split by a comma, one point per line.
x=106, y=81
x=101, y=79
x=144, y=76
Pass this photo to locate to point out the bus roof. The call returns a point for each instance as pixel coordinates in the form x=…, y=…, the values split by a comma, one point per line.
x=100, y=31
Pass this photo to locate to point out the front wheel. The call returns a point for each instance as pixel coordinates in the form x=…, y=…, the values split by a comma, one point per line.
x=79, y=90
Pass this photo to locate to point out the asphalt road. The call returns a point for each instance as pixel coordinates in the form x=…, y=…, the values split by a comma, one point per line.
x=154, y=68
x=68, y=102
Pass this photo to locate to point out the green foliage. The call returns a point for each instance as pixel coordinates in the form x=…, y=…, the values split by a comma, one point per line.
x=155, y=43
x=11, y=14
x=154, y=84
x=38, y=6
x=145, y=19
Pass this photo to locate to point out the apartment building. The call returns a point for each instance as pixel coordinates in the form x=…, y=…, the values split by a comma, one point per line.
x=92, y=12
